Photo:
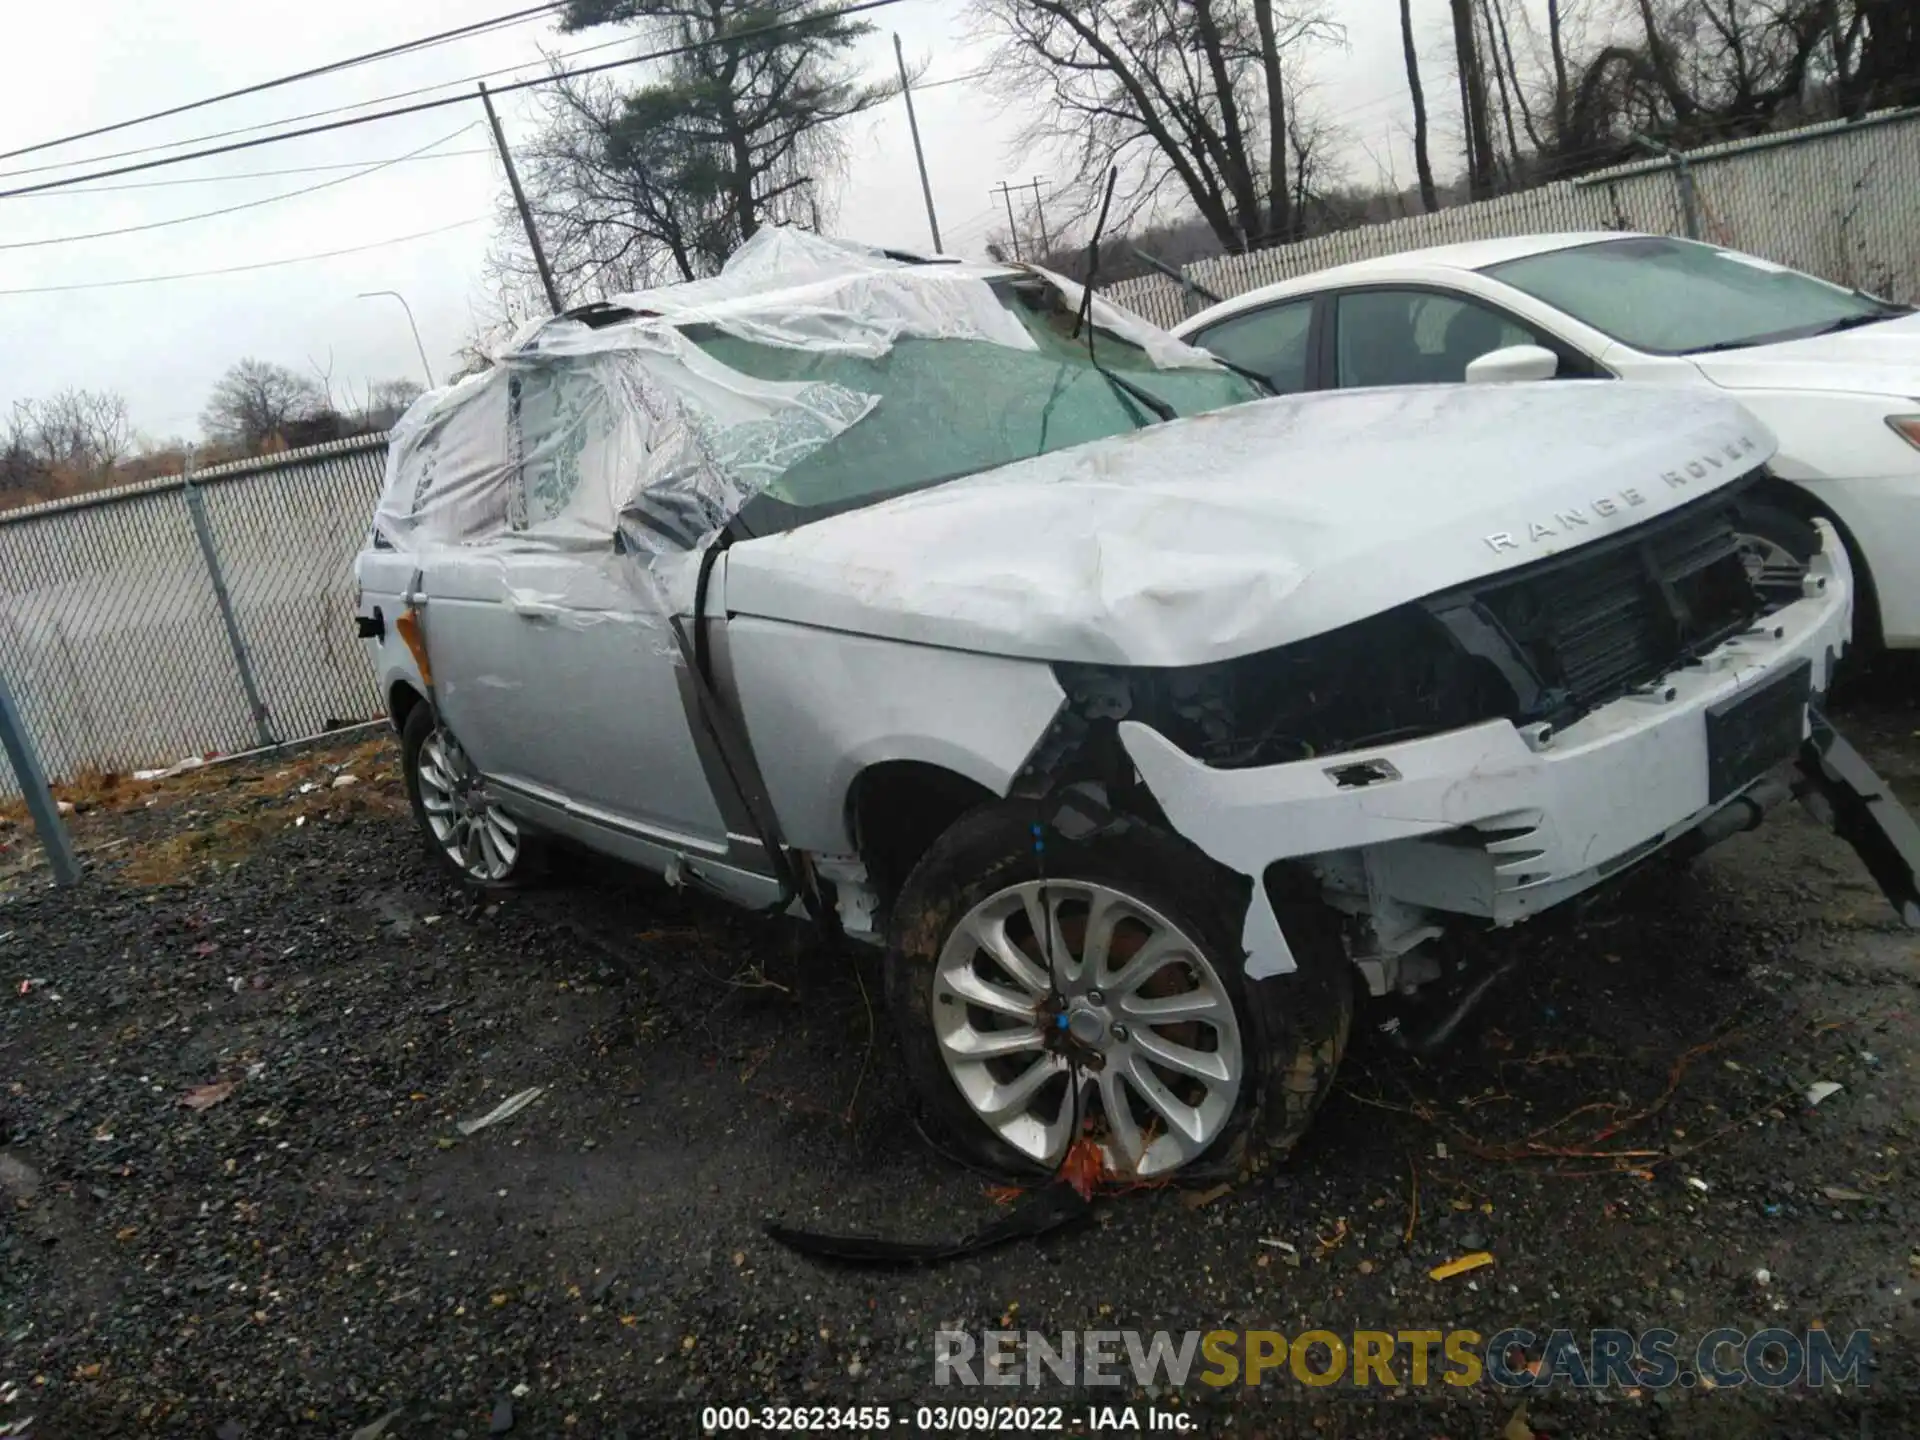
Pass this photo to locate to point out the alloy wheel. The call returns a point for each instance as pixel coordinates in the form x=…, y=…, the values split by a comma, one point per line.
x=479, y=837
x=1062, y=1005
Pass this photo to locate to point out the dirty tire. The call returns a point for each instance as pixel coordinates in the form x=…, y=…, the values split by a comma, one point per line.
x=420, y=725
x=1293, y=1028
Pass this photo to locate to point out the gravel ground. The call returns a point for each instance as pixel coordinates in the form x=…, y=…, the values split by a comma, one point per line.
x=235, y=1203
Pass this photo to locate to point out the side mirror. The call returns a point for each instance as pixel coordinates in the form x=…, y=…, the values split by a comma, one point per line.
x=1515, y=362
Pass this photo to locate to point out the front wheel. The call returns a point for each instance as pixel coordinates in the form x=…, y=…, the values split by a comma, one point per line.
x=1096, y=987
x=469, y=834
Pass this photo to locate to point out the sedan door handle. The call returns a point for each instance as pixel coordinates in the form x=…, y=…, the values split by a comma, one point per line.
x=535, y=610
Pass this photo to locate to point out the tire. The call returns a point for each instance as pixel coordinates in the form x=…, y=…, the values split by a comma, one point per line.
x=1777, y=545
x=471, y=838
x=1282, y=1037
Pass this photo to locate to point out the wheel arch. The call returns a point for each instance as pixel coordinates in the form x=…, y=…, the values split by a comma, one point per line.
x=896, y=809
x=402, y=698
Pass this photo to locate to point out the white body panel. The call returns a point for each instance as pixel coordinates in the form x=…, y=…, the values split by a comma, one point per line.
x=1826, y=398
x=1247, y=528
x=1629, y=775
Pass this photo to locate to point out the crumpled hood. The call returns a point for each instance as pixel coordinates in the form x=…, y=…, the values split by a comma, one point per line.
x=1251, y=527
x=1882, y=359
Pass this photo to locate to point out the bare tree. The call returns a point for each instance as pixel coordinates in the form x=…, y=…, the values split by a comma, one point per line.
x=630, y=188
x=1186, y=97
x=257, y=399
x=1422, y=163
x=69, y=441
x=1473, y=101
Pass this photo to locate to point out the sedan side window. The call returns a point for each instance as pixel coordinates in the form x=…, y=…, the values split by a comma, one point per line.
x=1416, y=337
x=1270, y=342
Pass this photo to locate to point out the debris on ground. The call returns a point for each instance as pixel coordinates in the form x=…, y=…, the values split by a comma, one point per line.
x=1823, y=1090
x=505, y=1110
x=1475, y=1260
x=205, y=1097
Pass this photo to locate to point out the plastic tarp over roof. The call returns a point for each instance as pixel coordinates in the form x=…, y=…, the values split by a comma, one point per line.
x=581, y=433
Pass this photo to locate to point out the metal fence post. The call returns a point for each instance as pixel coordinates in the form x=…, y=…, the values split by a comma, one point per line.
x=196, y=507
x=33, y=783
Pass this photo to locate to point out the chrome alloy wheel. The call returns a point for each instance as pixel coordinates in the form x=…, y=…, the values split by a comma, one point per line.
x=478, y=836
x=1136, y=1010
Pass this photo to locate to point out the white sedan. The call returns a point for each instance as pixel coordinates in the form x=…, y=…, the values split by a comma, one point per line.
x=1835, y=373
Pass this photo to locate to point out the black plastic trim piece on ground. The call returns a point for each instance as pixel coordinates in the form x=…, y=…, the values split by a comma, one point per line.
x=1048, y=1209
x=1865, y=813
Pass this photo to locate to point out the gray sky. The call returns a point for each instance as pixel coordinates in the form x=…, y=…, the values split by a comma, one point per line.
x=164, y=345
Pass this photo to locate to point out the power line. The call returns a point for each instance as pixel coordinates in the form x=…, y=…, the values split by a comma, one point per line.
x=252, y=174
x=237, y=269
x=352, y=105
x=245, y=205
x=669, y=52
x=462, y=81
x=424, y=42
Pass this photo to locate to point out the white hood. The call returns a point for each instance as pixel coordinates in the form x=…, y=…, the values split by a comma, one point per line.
x=1247, y=528
x=1881, y=359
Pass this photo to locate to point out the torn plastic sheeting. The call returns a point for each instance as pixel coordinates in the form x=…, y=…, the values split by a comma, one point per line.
x=861, y=314
x=630, y=429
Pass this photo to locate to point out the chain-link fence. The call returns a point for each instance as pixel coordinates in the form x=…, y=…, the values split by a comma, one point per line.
x=1835, y=200
x=183, y=617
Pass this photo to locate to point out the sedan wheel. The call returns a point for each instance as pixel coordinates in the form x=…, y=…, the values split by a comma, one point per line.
x=1063, y=1006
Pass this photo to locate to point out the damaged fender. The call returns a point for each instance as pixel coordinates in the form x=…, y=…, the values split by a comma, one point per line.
x=975, y=715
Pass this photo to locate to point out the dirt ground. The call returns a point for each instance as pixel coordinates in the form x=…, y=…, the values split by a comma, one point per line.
x=235, y=1203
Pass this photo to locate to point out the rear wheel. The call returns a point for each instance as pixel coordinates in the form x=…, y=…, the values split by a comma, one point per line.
x=469, y=834
x=1096, y=987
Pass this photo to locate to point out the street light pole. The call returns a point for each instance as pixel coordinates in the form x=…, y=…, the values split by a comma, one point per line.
x=373, y=294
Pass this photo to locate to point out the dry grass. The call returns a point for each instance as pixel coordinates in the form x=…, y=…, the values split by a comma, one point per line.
x=162, y=832
x=227, y=839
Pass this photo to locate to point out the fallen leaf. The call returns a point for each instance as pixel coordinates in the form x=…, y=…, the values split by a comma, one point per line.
x=1517, y=1427
x=1195, y=1199
x=1477, y=1260
x=205, y=1097
x=1840, y=1192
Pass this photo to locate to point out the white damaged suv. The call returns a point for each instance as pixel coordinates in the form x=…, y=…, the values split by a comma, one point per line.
x=1144, y=720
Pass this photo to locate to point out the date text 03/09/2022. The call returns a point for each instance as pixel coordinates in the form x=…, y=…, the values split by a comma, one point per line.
x=939, y=1419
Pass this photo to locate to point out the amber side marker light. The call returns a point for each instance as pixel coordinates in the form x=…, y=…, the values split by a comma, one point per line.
x=408, y=628
x=1907, y=427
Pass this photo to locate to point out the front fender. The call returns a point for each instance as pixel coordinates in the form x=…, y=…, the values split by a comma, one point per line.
x=820, y=706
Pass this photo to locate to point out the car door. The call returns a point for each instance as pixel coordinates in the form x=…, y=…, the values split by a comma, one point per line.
x=1274, y=341
x=1414, y=335
x=560, y=682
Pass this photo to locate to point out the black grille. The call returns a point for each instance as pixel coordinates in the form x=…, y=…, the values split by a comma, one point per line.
x=1618, y=614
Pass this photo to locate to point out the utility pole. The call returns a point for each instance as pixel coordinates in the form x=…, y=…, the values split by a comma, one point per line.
x=919, y=155
x=1005, y=192
x=520, y=200
x=1040, y=217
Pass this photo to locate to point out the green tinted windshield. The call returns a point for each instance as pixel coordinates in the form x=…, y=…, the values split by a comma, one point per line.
x=955, y=407
x=1670, y=297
